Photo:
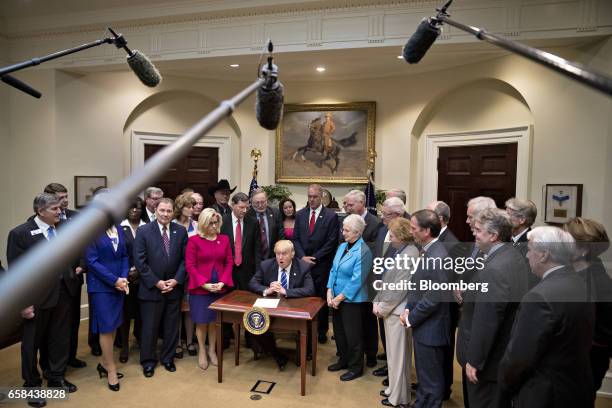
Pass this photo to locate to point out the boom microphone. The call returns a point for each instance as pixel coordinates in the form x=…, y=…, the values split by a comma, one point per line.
x=421, y=41
x=22, y=86
x=270, y=99
x=138, y=62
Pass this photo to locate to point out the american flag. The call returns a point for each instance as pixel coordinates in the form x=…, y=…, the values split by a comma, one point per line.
x=253, y=187
x=370, y=193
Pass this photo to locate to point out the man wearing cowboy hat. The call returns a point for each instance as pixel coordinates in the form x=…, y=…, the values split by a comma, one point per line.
x=221, y=192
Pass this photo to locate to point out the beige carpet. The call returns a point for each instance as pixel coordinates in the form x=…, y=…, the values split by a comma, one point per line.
x=189, y=386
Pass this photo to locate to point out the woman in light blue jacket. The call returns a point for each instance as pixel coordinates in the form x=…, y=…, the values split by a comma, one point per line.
x=346, y=293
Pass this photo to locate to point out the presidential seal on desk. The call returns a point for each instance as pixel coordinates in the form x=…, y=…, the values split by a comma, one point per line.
x=256, y=320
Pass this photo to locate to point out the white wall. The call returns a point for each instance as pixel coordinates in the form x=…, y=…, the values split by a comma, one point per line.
x=79, y=127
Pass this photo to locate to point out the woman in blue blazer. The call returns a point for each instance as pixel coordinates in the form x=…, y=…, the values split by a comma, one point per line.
x=346, y=293
x=107, y=284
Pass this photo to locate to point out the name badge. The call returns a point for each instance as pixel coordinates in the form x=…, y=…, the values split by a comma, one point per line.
x=35, y=232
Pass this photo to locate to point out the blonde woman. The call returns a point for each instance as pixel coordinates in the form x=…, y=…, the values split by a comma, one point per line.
x=389, y=305
x=208, y=261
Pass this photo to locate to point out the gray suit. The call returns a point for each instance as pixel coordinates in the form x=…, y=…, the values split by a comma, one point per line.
x=487, y=318
x=398, y=339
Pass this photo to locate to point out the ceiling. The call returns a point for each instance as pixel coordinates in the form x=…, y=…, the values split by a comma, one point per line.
x=357, y=63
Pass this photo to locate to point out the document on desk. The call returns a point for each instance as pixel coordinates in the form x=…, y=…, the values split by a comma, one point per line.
x=267, y=303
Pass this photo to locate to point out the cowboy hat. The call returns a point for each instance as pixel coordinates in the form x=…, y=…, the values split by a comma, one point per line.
x=221, y=185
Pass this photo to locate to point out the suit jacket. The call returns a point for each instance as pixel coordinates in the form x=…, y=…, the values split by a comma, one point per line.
x=251, y=253
x=392, y=301
x=487, y=318
x=145, y=215
x=451, y=242
x=349, y=273
x=152, y=263
x=221, y=210
x=105, y=264
x=546, y=363
x=71, y=213
x=23, y=238
x=521, y=246
x=429, y=313
x=275, y=228
x=300, y=280
x=321, y=244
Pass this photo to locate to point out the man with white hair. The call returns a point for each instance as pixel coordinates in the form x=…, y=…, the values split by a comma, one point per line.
x=152, y=195
x=356, y=204
x=547, y=357
x=401, y=194
x=522, y=216
x=488, y=315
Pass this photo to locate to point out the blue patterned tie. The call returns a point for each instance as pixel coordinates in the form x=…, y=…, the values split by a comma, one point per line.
x=51, y=233
x=284, y=279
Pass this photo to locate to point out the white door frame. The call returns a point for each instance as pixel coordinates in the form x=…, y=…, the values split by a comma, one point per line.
x=223, y=143
x=521, y=135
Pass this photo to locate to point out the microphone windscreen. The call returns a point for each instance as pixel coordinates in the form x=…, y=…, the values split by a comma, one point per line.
x=144, y=69
x=269, y=105
x=422, y=39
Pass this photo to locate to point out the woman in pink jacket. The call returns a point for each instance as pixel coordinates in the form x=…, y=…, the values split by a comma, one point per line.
x=208, y=261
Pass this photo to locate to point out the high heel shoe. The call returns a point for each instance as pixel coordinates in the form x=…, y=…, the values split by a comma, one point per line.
x=212, y=356
x=103, y=373
x=113, y=387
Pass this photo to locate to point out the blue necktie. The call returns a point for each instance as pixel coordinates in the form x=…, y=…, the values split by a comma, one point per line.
x=284, y=279
x=51, y=233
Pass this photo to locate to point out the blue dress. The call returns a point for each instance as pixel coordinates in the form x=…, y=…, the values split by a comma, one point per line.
x=198, y=304
x=104, y=266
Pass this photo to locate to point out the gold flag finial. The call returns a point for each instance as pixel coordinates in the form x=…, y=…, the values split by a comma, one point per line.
x=255, y=155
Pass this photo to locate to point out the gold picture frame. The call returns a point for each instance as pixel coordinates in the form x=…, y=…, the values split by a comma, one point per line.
x=325, y=143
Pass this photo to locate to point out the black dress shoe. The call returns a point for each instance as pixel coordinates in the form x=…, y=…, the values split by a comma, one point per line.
x=381, y=372
x=96, y=351
x=76, y=363
x=350, y=375
x=336, y=367
x=65, y=384
x=37, y=403
x=383, y=393
x=123, y=358
x=322, y=339
x=382, y=356
x=414, y=386
x=170, y=367
x=371, y=361
x=281, y=361
x=385, y=382
x=386, y=403
x=148, y=371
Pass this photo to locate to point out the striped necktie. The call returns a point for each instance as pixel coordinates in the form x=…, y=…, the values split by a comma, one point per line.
x=284, y=279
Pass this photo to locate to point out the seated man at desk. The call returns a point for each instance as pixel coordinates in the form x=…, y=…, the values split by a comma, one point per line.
x=282, y=276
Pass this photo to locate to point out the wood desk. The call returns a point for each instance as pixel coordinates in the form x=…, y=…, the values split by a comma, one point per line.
x=297, y=314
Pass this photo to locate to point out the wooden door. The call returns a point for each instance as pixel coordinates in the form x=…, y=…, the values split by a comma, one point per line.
x=197, y=171
x=465, y=172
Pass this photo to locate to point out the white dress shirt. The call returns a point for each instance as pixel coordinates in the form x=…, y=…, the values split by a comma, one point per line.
x=44, y=227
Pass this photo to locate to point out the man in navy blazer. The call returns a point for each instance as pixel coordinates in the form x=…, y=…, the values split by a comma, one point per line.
x=159, y=258
x=315, y=240
x=284, y=276
x=427, y=312
x=47, y=322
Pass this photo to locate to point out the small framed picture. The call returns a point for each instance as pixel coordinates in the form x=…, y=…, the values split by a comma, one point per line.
x=84, y=187
x=563, y=201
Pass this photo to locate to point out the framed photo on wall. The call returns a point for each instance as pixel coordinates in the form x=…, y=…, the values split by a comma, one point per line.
x=563, y=201
x=325, y=143
x=84, y=187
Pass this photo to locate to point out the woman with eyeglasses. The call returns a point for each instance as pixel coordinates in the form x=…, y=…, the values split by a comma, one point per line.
x=208, y=261
x=131, y=309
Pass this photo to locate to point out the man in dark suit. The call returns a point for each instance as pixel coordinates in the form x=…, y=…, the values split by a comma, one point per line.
x=159, y=258
x=546, y=362
x=281, y=276
x=76, y=282
x=221, y=192
x=270, y=222
x=488, y=314
x=315, y=241
x=392, y=208
x=522, y=214
x=152, y=195
x=427, y=311
x=47, y=322
x=450, y=242
x=356, y=204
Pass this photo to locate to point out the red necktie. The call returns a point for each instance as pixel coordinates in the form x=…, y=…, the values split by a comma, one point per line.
x=312, y=223
x=238, y=245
